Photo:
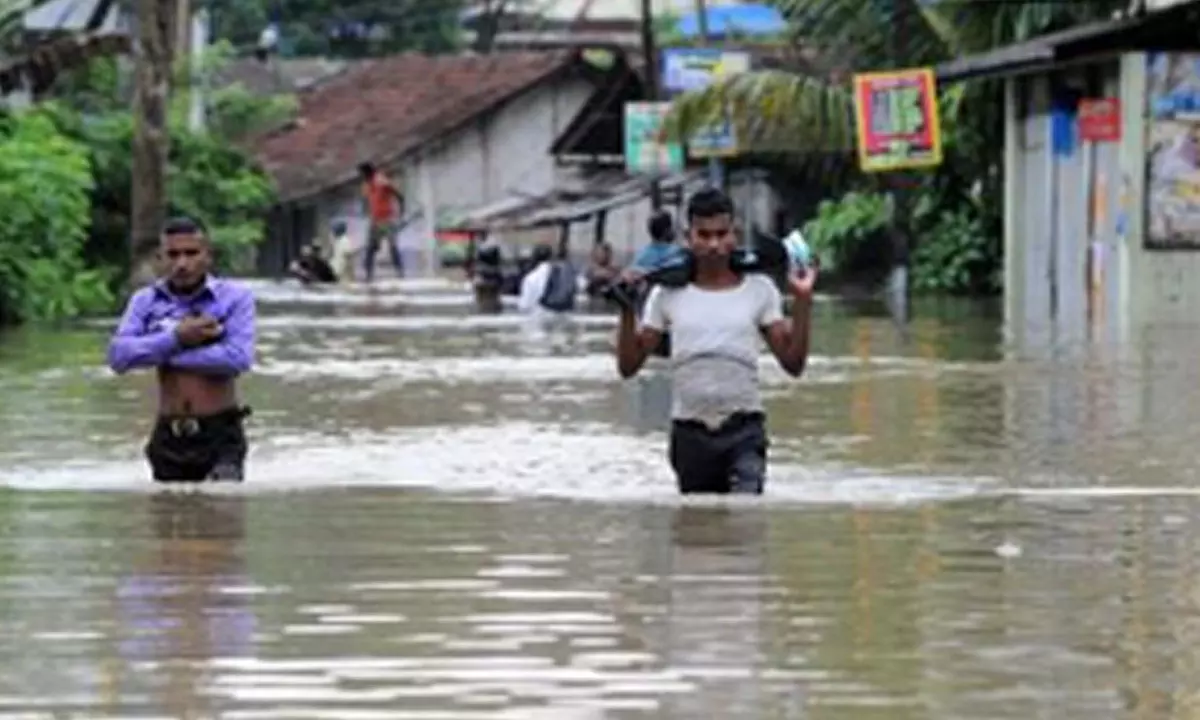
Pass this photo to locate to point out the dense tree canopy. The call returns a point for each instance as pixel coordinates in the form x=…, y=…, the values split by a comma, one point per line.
x=342, y=29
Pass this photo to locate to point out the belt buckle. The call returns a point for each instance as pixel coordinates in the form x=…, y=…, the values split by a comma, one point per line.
x=184, y=427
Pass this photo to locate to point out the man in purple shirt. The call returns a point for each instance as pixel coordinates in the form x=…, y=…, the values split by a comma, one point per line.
x=198, y=332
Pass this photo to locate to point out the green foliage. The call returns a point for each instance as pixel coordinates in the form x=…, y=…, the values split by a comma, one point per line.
x=232, y=112
x=955, y=254
x=844, y=227
x=65, y=186
x=210, y=178
x=235, y=113
x=665, y=27
x=213, y=181
x=45, y=180
x=955, y=222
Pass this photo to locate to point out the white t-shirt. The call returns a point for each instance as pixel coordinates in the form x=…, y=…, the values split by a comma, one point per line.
x=533, y=286
x=715, y=343
x=343, y=245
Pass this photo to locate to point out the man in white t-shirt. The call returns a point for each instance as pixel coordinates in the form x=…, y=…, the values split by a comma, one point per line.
x=718, y=434
x=548, y=289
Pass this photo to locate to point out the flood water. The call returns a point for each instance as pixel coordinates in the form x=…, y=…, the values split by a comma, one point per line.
x=452, y=516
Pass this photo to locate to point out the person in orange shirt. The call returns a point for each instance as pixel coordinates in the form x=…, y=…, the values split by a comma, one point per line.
x=384, y=205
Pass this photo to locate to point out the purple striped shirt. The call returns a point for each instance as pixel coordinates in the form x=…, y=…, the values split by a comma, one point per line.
x=146, y=335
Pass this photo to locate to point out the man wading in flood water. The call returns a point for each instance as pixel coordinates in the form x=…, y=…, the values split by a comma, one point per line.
x=718, y=436
x=198, y=331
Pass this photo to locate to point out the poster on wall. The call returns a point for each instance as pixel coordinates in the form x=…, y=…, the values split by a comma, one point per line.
x=1173, y=157
x=1100, y=119
x=896, y=116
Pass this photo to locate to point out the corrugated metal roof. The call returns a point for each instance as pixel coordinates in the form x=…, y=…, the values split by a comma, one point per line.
x=1171, y=28
x=69, y=15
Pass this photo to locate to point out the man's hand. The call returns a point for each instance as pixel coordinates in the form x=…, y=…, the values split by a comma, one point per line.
x=197, y=330
x=802, y=282
x=632, y=275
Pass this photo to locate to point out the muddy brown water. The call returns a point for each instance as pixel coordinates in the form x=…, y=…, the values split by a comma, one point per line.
x=452, y=516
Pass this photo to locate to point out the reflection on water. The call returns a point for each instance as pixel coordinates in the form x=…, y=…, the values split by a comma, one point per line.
x=173, y=603
x=449, y=516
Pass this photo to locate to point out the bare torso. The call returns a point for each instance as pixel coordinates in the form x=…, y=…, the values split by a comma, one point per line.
x=189, y=393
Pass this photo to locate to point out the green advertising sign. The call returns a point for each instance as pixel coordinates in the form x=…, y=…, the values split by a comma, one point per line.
x=645, y=154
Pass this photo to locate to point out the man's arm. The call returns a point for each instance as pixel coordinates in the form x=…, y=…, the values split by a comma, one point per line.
x=233, y=354
x=788, y=339
x=131, y=347
x=399, y=199
x=364, y=193
x=635, y=344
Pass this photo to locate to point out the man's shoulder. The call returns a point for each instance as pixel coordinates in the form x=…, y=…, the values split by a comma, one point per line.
x=761, y=282
x=762, y=286
x=231, y=289
x=534, y=276
x=143, y=296
x=664, y=293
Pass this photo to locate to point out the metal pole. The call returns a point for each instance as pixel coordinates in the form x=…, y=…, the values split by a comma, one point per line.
x=900, y=204
x=650, y=60
x=716, y=170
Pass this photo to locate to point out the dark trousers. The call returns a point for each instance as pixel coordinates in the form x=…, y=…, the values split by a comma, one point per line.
x=377, y=235
x=730, y=459
x=194, y=449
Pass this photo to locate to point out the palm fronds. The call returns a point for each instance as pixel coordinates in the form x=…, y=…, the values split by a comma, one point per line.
x=772, y=111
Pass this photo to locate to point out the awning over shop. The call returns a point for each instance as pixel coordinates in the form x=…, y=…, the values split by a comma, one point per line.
x=568, y=205
x=481, y=216
x=629, y=192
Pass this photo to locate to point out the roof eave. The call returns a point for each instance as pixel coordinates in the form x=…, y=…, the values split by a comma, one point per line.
x=1170, y=28
x=983, y=66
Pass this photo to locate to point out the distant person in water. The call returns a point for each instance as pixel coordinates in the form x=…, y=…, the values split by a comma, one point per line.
x=601, y=271
x=662, y=247
x=384, y=205
x=343, y=254
x=487, y=276
x=198, y=332
x=548, y=289
x=312, y=267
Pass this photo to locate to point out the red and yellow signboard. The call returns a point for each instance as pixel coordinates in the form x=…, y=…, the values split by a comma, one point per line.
x=897, y=117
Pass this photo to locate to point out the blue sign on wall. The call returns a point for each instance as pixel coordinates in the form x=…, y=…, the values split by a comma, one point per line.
x=691, y=69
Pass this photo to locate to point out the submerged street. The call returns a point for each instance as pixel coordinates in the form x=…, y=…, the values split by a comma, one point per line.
x=451, y=516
